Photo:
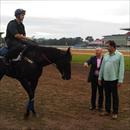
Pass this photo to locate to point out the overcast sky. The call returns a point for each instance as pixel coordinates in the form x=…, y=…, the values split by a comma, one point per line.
x=56, y=19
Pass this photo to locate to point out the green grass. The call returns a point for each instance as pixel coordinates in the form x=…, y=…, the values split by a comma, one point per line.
x=80, y=58
x=77, y=58
x=127, y=63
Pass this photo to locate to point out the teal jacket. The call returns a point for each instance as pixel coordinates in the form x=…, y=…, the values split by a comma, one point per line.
x=112, y=67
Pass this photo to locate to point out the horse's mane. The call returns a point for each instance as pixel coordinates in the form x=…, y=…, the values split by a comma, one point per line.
x=40, y=49
x=38, y=53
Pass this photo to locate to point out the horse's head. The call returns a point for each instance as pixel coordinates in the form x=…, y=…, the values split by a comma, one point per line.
x=64, y=65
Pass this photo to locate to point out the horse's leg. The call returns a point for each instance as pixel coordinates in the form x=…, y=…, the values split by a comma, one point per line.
x=2, y=70
x=26, y=85
x=29, y=86
x=2, y=73
x=33, y=86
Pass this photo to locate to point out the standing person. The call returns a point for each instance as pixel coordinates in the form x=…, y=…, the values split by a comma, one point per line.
x=15, y=34
x=95, y=62
x=112, y=74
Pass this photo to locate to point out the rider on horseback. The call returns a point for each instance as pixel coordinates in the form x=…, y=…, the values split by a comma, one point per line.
x=16, y=39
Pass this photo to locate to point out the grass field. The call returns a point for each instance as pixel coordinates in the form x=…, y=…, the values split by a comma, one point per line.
x=78, y=58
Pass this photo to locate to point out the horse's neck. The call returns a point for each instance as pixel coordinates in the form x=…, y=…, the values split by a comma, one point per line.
x=51, y=56
x=54, y=56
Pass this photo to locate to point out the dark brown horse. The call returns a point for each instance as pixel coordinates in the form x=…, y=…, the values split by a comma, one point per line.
x=29, y=69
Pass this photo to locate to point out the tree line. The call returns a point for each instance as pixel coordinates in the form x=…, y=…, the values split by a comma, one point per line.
x=65, y=41
x=61, y=42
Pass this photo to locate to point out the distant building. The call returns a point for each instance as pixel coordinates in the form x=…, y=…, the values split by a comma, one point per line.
x=120, y=39
x=128, y=34
x=128, y=42
x=126, y=29
x=99, y=41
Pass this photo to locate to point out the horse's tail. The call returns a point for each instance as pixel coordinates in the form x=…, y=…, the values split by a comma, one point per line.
x=3, y=68
x=1, y=75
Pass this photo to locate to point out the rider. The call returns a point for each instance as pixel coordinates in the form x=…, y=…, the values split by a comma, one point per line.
x=15, y=35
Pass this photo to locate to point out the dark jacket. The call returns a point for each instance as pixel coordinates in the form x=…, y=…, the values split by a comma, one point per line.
x=93, y=62
x=14, y=28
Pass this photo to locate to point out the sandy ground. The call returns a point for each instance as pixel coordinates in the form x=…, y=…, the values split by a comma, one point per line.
x=61, y=105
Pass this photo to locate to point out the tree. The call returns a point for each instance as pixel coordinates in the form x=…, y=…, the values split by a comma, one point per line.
x=2, y=42
x=89, y=38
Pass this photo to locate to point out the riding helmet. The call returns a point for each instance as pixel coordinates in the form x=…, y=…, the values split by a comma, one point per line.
x=19, y=11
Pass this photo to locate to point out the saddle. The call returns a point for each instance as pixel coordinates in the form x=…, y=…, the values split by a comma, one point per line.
x=4, y=51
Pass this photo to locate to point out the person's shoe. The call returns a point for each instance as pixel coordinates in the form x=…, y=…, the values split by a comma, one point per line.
x=100, y=109
x=105, y=114
x=114, y=116
x=92, y=108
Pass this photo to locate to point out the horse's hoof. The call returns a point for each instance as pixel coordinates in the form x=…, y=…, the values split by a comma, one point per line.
x=26, y=116
x=34, y=115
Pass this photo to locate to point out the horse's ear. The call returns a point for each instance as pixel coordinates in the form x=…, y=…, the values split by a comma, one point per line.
x=68, y=53
x=69, y=50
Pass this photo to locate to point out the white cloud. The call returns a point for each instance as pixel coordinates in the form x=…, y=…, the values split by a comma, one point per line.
x=42, y=34
x=110, y=11
x=69, y=18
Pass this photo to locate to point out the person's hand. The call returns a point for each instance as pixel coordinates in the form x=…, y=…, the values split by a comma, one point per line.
x=119, y=84
x=99, y=82
x=85, y=65
x=24, y=38
x=28, y=38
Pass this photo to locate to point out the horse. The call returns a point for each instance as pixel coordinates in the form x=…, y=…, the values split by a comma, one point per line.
x=29, y=69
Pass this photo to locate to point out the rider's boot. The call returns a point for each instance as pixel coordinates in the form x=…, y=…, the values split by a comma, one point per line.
x=6, y=61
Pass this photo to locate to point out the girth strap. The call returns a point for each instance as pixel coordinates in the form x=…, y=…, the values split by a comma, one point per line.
x=28, y=60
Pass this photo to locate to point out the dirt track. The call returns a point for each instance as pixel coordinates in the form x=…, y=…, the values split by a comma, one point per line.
x=61, y=105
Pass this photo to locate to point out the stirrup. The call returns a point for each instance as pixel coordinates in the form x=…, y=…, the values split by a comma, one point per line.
x=18, y=57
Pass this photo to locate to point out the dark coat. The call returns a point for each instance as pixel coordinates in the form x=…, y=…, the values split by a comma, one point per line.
x=93, y=62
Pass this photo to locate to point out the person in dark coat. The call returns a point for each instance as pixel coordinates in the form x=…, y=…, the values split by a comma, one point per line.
x=95, y=63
